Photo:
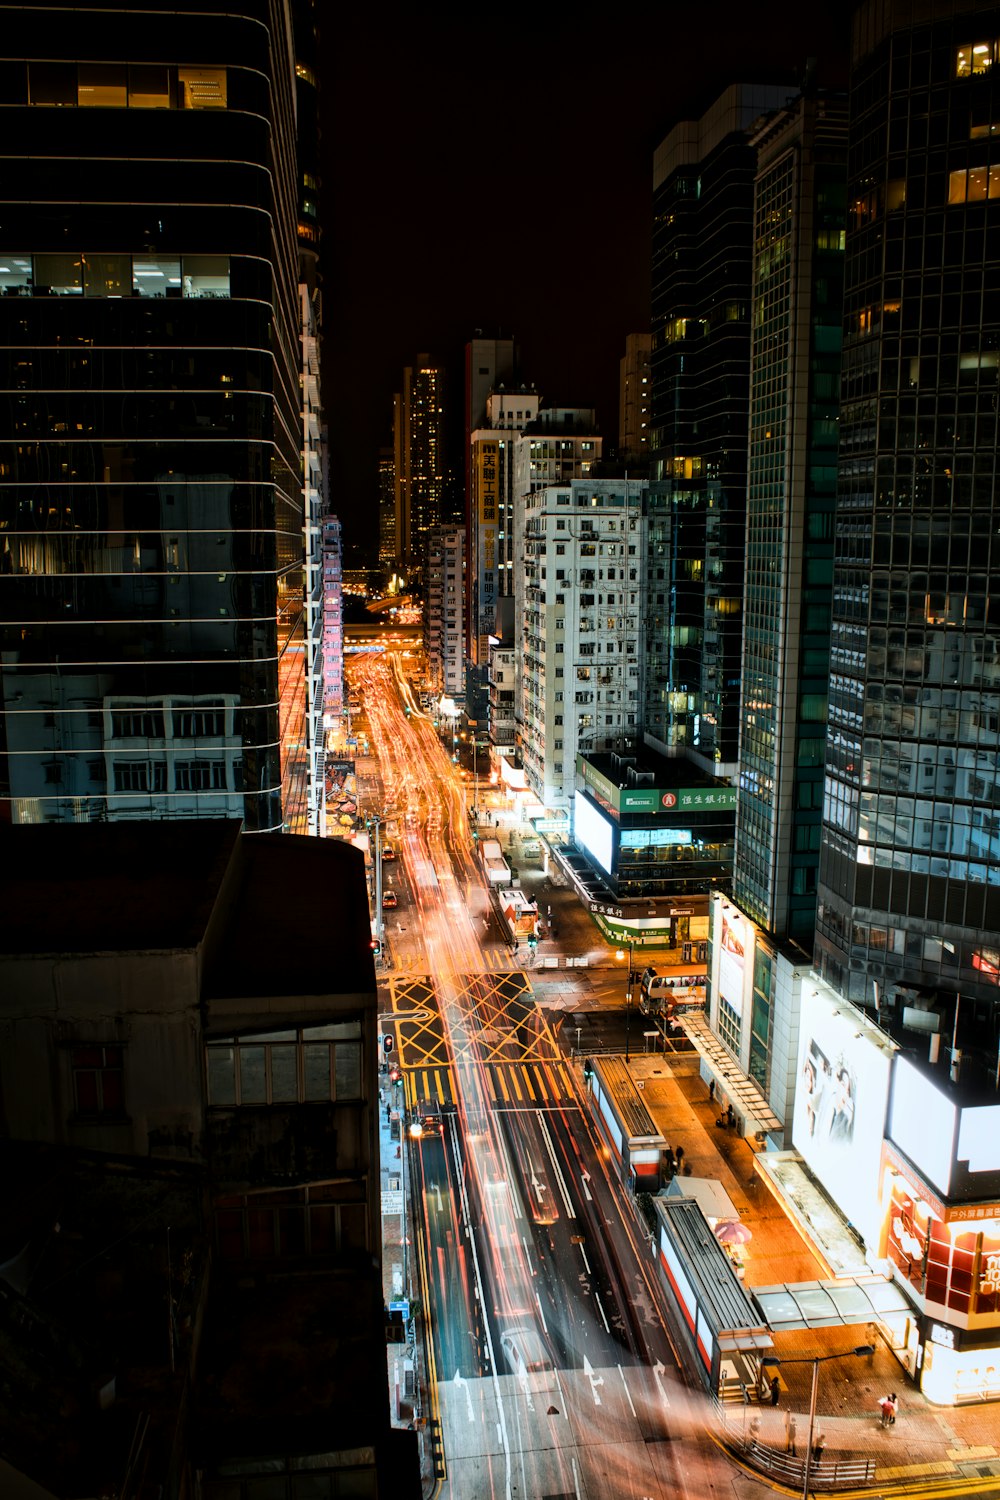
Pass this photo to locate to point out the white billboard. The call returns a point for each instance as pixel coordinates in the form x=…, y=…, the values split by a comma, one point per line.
x=593, y=832
x=922, y=1124
x=840, y=1105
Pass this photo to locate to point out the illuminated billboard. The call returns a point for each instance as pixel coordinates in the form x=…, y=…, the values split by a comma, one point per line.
x=732, y=960
x=840, y=1104
x=956, y=1150
x=593, y=832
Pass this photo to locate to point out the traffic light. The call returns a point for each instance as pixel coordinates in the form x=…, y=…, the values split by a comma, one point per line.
x=475, y=835
x=387, y=1044
x=532, y=942
x=376, y=947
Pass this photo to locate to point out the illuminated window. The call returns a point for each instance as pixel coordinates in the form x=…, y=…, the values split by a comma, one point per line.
x=15, y=274
x=975, y=57
x=148, y=87
x=60, y=274
x=103, y=85
x=974, y=184
x=156, y=275
x=206, y=276
x=202, y=88
x=107, y=275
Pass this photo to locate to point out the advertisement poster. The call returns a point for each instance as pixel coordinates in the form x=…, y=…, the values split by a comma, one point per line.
x=732, y=962
x=840, y=1104
x=341, y=793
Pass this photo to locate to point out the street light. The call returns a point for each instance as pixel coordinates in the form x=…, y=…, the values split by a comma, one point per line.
x=628, y=998
x=816, y=1361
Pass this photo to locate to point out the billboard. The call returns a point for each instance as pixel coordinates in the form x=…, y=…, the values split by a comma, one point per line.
x=840, y=1104
x=732, y=960
x=922, y=1124
x=593, y=832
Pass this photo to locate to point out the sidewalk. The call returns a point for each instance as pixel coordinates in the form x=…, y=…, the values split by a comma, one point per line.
x=927, y=1442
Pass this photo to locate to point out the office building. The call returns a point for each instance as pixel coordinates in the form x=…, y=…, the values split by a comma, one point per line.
x=703, y=175
x=152, y=598
x=419, y=452
x=387, y=547
x=333, y=620
x=633, y=401
x=910, y=864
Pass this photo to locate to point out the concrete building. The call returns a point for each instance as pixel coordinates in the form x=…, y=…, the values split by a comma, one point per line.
x=182, y=1016
x=634, y=393
x=387, y=544
x=444, y=579
x=155, y=642
x=581, y=628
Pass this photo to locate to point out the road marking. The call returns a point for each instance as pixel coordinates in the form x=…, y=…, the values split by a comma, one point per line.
x=595, y=1380
x=600, y=1309
x=659, y=1370
x=464, y=1385
x=628, y=1393
x=585, y=1178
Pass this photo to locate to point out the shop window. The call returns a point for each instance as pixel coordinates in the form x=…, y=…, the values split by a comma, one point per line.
x=52, y=84
x=156, y=275
x=202, y=88
x=148, y=87
x=205, y=276
x=102, y=85
x=98, y=1082
x=61, y=275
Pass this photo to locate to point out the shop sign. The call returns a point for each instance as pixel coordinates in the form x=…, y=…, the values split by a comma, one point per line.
x=943, y=1336
x=989, y=1276
x=606, y=911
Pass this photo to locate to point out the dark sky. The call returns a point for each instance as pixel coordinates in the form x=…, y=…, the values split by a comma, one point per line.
x=495, y=173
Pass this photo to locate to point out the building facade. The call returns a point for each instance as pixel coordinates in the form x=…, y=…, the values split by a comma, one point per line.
x=703, y=175
x=333, y=619
x=444, y=579
x=634, y=392
x=909, y=889
x=419, y=450
x=152, y=598
x=580, y=628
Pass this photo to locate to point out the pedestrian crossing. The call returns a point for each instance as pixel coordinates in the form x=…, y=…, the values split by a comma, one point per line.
x=510, y=1085
x=495, y=960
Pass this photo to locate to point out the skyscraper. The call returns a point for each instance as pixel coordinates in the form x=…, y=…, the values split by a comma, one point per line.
x=419, y=444
x=797, y=302
x=633, y=400
x=151, y=587
x=702, y=237
x=909, y=889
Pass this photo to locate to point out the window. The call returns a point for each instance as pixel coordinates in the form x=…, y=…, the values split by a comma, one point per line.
x=202, y=88
x=286, y=1067
x=52, y=83
x=140, y=776
x=148, y=87
x=200, y=775
x=59, y=274
x=15, y=275
x=102, y=84
x=201, y=723
x=156, y=275
x=206, y=276
x=974, y=57
x=129, y=724
x=98, y=1083
x=107, y=275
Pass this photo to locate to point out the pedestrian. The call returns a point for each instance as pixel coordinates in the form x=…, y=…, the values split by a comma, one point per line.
x=679, y=1157
x=775, y=1391
x=819, y=1443
x=730, y=1116
x=790, y=1433
x=711, y=1089
x=753, y=1432
x=885, y=1407
x=894, y=1404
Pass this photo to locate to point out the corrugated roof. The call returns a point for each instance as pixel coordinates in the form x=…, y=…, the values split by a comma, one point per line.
x=723, y=1297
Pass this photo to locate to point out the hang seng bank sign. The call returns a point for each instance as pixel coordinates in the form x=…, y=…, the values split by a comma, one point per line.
x=654, y=800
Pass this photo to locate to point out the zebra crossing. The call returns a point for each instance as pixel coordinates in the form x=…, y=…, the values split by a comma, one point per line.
x=511, y=1085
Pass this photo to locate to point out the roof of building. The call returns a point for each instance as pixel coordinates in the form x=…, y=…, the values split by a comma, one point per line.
x=721, y=1294
x=276, y=913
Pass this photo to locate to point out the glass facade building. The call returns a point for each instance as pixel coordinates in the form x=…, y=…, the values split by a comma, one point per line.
x=798, y=269
x=909, y=886
x=703, y=178
x=151, y=505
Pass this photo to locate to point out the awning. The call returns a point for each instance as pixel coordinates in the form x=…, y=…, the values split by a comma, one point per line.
x=828, y=1304
x=757, y=1113
x=743, y=1343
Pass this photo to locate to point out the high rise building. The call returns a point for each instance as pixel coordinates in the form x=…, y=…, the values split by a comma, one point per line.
x=387, y=548
x=580, y=628
x=909, y=888
x=796, y=310
x=419, y=446
x=333, y=617
x=152, y=590
x=703, y=176
x=633, y=400
x=444, y=578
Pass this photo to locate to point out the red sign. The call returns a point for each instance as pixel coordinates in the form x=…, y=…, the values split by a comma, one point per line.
x=669, y=799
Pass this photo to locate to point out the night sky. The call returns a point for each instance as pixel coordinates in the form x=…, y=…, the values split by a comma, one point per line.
x=496, y=174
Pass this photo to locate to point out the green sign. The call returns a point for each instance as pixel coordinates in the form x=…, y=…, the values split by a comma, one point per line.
x=656, y=800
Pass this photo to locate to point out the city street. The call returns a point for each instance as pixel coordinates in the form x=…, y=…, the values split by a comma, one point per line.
x=547, y=1365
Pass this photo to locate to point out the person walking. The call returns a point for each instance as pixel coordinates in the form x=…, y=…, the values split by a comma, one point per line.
x=775, y=1391
x=753, y=1431
x=887, y=1409
x=791, y=1429
x=819, y=1443
x=894, y=1404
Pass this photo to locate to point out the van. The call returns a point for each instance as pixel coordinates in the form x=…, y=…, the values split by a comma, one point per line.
x=528, y=1359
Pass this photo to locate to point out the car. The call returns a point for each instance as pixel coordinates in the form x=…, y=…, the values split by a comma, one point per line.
x=389, y=900
x=528, y=1359
x=426, y=1118
x=388, y=852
